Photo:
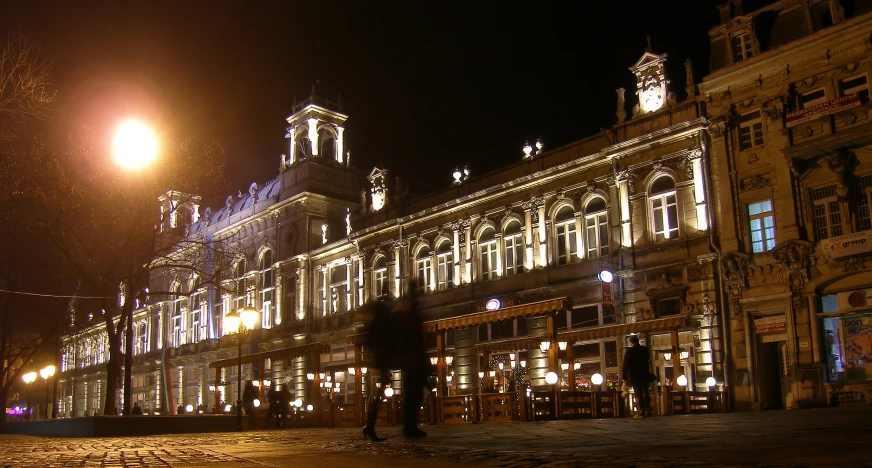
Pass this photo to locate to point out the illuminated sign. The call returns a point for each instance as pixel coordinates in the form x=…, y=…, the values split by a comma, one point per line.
x=852, y=244
x=496, y=304
x=825, y=108
x=493, y=304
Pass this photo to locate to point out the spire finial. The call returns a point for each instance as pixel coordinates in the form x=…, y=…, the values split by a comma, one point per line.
x=648, y=49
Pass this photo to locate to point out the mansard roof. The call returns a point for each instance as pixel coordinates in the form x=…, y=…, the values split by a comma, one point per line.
x=269, y=190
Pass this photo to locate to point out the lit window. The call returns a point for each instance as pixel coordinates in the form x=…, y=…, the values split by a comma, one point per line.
x=664, y=210
x=514, y=249
x=425, y=270
x=339, y=288
x=487, y=249
x=855, y=85
x=750, y=131
x=380, y=274
x=742, y=47
x=267, y=289
x=567, y=242
x=762, y=222
x=444, y=266
x=811, y=98
x=239, y=275
x=596, y=228
x=826, y=217
x=864, y=203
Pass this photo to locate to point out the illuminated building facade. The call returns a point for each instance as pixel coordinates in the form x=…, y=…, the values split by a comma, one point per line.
x=713, y=210
x=788, y=100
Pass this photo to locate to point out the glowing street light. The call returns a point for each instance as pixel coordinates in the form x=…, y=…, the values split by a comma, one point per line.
x=238, y=323
x=46, y=373
x=134, y=145
x=28, y=379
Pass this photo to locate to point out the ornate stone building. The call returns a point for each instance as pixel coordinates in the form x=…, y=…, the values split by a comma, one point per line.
x=788, y=101
x=732, y=219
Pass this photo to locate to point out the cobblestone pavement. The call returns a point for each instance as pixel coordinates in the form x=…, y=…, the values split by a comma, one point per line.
x=818, y=437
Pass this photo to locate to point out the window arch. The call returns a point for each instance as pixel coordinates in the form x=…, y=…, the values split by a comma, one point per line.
x=267, y=290
x=177, y=320
x=424, y=266
x=197, y=314
x=596, y=227
x=664, y=208
x=444, y=266
x=487, y=254
x=566, y=235
x=381, y=287
x=513, y=248
x=327, y=144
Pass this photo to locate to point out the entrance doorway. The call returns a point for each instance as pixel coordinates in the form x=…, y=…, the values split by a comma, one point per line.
x=773, y=364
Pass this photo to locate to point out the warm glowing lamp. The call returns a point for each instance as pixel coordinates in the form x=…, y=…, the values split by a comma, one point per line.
x=596, y=379
x=134, y=145
x=551, y=378
x=681, y=380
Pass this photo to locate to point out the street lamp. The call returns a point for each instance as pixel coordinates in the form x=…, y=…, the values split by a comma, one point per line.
x=46, y=373
x=241, y=321
x=133, y=147
x=28, y=379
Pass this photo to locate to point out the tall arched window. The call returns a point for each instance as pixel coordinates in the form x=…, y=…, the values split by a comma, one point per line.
x=513, y=244
x=596, y=228
x=425, y=269
x=267, y=290
x=327, y=145
x=444, y=266
x=239, y=286
x=565, y=233
x=197, y=316
x=177, y=320
x=487, y=254
x=380, y=279
x=664, y=210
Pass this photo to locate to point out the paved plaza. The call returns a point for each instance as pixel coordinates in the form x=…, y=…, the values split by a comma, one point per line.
x=815, y=437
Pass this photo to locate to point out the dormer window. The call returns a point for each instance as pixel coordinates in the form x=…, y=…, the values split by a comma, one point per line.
x=742, y=47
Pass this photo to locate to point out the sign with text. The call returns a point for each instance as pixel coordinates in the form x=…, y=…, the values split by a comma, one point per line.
x=773, y=324
x=852, y=244
x=825, y=108
x=496, y=304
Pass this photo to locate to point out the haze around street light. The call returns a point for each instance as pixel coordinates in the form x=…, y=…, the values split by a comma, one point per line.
x=134, y=145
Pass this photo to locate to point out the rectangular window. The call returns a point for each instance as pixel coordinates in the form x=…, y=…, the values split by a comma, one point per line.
x=488, y=257
x=567, y=244
x=855, y=85
x=585, y=317
x=664, y=212
x=811, y=98
x=826, y=217
x=741, y=47
x=762, y=222
x=750, y=131
x=445, y=271
x=514, y=255
x=864, y=203
x=424, y=274
x=597, y=235
x=671, y=306
x=381, y=275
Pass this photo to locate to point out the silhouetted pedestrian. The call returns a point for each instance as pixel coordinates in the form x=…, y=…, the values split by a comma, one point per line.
x=411, y=358
x=274, y=404
x=380, y=340
x=637, y=370
x=284, y=404
x=249, y=394
x=137, y=411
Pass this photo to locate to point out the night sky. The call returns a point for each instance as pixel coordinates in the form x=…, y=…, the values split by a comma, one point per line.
x=438, y=83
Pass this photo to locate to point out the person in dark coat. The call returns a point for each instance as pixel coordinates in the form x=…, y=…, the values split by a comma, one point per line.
x=637, y=370
x=284, y=403
x=380, y=340
x=249, y=394
x=411, y=358
x=275, y=404
x=137, y=411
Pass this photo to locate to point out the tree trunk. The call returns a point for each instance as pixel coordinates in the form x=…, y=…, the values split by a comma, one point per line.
x=3, y=394
x=113, y=375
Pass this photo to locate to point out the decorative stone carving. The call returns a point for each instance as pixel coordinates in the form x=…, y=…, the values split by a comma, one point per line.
x=850, y=119
x=651, y=81
x=733, y=267
x=252, y=191
x=753, y=158
x=378, y=188
x=658, y=165
x=807, y=132
x=794, y=258
x=755, y=182
x=717, y=130
x=854, y=264
x=841, y=163
x=775, y=112
x=621, y=112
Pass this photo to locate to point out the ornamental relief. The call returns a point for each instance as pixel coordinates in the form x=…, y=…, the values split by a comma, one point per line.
x=755, y=182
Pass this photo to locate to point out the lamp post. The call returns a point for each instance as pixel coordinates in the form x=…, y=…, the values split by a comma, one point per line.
x=242, y=321
x=134, y=146
x=46, y=373
x=28, y=379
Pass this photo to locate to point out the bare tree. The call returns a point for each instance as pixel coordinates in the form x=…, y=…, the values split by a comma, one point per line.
x=114, y=227
x=24, y=85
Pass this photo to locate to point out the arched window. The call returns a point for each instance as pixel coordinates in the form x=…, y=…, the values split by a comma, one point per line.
x=567, y=242
x=197, y=323
x=596, y=228
x=444, y=266
x=327, y=147
x=177, y=321
x=267, y=290
x=513, y=244
x=487, y=254
x=380, y=279
x=425, y=270
x=664, y=210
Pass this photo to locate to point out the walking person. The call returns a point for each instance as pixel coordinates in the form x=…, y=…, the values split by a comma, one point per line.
x=637, y=370
x=411, y=358
x=249, y=394
x=380, y=340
